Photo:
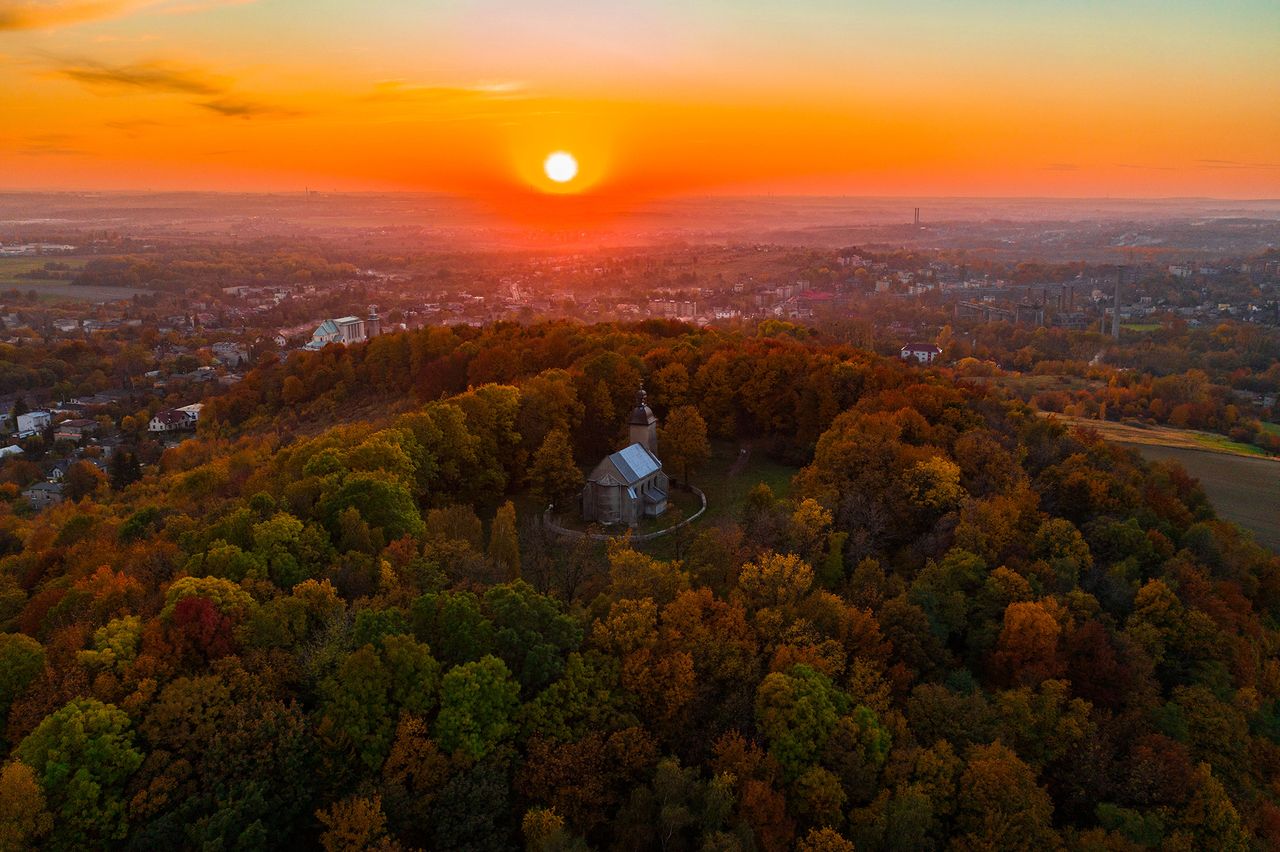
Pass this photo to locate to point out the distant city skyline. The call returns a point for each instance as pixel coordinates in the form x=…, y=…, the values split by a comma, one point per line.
x=992, y=98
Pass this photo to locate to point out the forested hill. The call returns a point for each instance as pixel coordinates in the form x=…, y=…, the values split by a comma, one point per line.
x=324, y=621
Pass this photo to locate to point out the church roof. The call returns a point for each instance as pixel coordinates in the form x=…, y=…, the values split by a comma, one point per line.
x=635, y=463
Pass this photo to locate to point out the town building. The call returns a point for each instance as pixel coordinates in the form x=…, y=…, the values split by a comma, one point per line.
x=346, y=330
x=42, y=495
x=924, y=353
x=176, y=419
x=630, y=484
x=33, y=422
x=75, y=429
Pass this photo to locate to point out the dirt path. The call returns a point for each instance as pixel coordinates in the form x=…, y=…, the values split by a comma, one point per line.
x=740, y=463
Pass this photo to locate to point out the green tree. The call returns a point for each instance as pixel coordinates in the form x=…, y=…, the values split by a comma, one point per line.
x=478, y=702
x=21, y=659
x=797, y=711
x=384, y=502
x=372, y=685
x=83, y=755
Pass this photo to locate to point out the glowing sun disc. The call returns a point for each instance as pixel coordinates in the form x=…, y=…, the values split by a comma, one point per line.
x=560, y=167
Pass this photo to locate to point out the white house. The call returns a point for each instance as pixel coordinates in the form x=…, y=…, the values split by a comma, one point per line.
x=193, y=411
x=175, y=419
x=924, y=353
x=33, y=422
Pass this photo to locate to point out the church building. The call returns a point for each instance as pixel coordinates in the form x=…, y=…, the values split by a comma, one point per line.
x=629, y=484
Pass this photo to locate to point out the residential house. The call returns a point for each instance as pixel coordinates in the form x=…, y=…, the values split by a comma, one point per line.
x=75, y=429
x=924, y=353
x=173, y=420
x=42, y=495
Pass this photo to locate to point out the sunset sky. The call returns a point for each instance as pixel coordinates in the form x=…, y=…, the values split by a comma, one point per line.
x=653, y=97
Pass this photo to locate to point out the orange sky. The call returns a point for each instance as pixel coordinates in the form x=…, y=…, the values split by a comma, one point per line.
x=936, y=97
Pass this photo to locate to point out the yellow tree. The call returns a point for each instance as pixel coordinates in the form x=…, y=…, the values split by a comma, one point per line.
x=504, y=541
x=682, y=441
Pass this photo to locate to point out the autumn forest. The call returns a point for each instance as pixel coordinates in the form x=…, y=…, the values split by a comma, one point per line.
x=334, y=617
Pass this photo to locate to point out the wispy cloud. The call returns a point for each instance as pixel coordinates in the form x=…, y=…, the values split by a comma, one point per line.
x=212, y=92
x=1235, y=164
x=400, y=90
x=151, y=76
x=236, y=108
x=47, y=145
x=135, y=127
x=1060, y=167
x=43, y=14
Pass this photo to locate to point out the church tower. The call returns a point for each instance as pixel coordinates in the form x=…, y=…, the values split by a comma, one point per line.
x=643, y=425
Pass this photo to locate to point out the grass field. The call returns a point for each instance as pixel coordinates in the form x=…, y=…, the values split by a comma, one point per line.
x=1165, y=436
x=1141, y=326
x=1027, y=385
x=56, y=289
x=1243, y=485
x=1271, y=428
x=1244, y=490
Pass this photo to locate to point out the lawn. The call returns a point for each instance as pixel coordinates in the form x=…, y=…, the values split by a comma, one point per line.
x=1141, y=326
x=727, y=487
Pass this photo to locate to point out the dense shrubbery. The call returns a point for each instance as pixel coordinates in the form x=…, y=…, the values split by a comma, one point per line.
x=964, y=627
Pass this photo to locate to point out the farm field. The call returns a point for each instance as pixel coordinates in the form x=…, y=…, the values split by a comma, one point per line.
x=56, y=289
x=1244, y=490
x=1164, y=436
x=1244, y=486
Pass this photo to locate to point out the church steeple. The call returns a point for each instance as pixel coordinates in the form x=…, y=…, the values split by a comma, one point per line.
x=643, y=425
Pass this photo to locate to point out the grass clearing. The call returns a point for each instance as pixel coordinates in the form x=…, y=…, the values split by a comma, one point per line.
x=727, y=488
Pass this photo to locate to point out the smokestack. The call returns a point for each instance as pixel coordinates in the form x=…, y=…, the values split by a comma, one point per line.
x=917, y=220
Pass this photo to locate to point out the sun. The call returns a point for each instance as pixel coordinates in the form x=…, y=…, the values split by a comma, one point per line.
x=560, y=166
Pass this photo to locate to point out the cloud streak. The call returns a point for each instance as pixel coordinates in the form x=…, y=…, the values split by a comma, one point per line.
x=46, y=14
x=1236, y=164
x=237, y=108
x=212, y=93
x=150, y=76
x=399, y=90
